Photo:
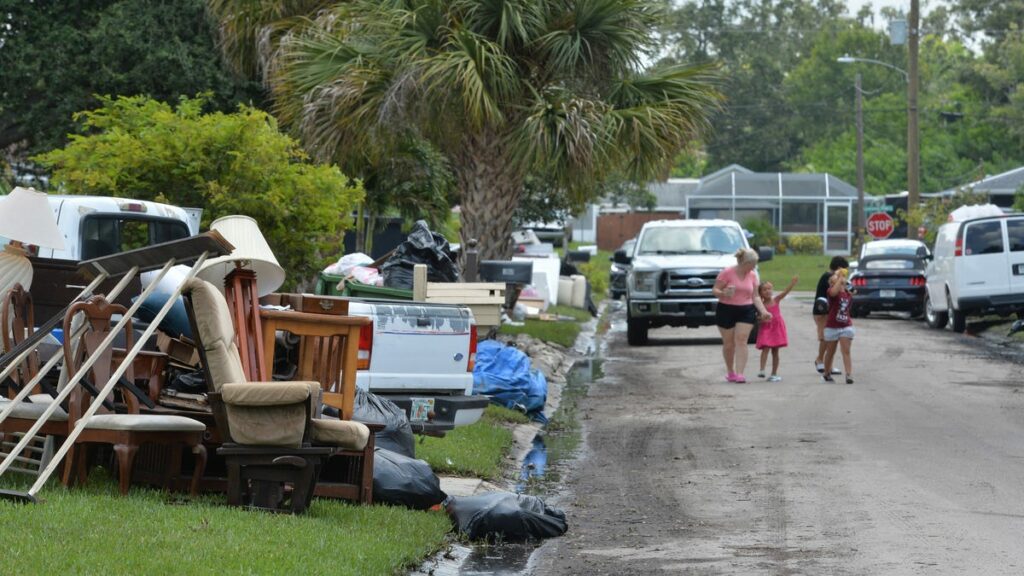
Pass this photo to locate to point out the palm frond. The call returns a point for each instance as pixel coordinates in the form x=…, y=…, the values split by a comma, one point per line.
x=598, y=36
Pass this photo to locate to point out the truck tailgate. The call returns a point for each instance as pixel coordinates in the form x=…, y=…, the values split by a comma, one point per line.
x=418, y=347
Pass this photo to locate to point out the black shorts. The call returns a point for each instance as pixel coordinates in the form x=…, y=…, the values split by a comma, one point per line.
x=820, y=307
x=728, y=316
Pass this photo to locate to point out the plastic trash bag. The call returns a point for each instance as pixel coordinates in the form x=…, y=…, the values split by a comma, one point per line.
x=403, y=481
x=512, y=517
x=420, y=247
x=504, y=374
x=397, y=433
x=346, y=263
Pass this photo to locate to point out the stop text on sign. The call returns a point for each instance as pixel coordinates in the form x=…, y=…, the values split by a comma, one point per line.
x=880, y=225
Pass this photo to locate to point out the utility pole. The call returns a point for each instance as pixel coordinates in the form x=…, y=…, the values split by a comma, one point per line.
x=913, y=146
x=861, y=219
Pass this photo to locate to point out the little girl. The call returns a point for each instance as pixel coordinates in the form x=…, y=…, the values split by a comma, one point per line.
x=771, y=335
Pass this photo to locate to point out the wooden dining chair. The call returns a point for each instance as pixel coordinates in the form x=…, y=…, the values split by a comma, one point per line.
x=17, y=322
x=125, y=432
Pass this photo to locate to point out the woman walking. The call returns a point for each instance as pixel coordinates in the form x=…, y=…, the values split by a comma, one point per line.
x=820, y=309
x=737, y=312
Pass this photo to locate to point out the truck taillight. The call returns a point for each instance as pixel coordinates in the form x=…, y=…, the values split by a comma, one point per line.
x=958, y=250
x=472, y=348
x=365, y=346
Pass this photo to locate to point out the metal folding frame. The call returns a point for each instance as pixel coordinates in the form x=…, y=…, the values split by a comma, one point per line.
x=209, y=244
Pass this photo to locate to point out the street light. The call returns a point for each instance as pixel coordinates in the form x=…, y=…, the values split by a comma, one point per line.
x=913, y=152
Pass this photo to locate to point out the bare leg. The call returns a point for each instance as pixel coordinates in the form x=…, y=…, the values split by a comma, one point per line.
x=844, y=347
x=764, y=358
x=740, y=336
x=728, y=349
x=819, y=321
x=830, y=354
x=775, y=361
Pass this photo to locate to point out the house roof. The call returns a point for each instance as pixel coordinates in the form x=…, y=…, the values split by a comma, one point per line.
x=769, y=184
x=1004, y=183
x=672, y=193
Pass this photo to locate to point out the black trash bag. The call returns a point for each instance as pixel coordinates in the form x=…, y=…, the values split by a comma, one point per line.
x=193, y=382
x=397, y=433
x=403, y=481
x=511, y=517
x=420, y=247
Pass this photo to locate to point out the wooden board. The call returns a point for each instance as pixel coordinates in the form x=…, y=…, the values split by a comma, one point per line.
x=183, y=251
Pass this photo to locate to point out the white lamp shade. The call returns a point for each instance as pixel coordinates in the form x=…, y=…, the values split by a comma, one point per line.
x=25, y=216
x=251, y=249
x=15, y=268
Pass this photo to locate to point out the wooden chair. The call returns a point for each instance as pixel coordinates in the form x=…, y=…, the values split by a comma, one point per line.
x=17, y=322
x=125, y=432
x=351, y=443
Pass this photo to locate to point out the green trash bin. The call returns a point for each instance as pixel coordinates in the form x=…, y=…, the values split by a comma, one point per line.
x=327, y=285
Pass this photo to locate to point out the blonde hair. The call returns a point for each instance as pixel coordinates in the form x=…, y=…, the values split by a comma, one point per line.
x=746, y=255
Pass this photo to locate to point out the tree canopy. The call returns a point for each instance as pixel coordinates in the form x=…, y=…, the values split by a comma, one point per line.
x=236, y=163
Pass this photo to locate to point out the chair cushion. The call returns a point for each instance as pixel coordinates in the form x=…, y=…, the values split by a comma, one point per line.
x=266, y=393
x=216, y=332
x=341, y=433
x=33, y=410
x=144, y=423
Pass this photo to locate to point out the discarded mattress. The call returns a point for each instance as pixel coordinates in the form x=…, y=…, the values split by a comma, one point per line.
x=505, y=515
x=504, y=374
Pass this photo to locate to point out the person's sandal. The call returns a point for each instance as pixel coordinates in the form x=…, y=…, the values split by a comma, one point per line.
x=739, y=379
x=849, y=379
x=827, y=378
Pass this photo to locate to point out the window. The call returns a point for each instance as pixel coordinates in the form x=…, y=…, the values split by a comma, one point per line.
x=103, y=235
x=1015, y=229
x=984, y=238
x=691, y=240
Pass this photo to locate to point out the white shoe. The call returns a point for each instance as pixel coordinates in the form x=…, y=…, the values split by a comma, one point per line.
x=819, y=367
x=775, y=378
x=760, y=374
x=837, y=371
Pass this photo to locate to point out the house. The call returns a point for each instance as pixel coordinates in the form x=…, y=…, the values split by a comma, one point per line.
x=1000, y=188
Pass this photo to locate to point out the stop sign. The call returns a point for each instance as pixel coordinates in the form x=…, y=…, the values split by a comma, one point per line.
x=880, y=225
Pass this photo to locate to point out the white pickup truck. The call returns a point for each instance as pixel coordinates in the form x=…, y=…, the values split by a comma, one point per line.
x=414, y=354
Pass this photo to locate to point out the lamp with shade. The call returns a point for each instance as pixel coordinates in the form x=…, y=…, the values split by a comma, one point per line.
x=250, y=272
x=25, y=218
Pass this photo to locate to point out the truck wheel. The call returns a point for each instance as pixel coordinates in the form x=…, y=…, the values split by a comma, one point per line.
x=933, y=317
x=636, y=332
x=959, y=320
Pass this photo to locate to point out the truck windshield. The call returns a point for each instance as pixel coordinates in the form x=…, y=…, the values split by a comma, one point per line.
x=691, y=240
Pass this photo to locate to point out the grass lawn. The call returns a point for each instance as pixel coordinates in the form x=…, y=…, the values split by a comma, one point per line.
x=94, y=530
x=561, y=332
x=477, y=450
x=781, y=268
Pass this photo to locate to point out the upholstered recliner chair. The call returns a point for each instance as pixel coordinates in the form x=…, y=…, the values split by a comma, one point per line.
x=268, y=415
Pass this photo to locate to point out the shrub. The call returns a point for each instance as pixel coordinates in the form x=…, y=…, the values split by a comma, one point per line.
x=597, y=275
x=805, y=244
x=764, y=232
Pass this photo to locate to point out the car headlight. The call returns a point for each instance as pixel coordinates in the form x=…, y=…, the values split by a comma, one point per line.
x=616, y=269
x=645, y=281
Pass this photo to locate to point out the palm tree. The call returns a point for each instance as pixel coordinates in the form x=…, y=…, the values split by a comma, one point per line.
x=502, y=88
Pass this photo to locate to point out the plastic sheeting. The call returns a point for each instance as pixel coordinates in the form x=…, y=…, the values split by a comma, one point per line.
x=512, y=517
x=397, y=433
x=504, y=374
x=402, y=481
x=420, y=247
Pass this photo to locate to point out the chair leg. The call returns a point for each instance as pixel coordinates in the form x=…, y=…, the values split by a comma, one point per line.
x=70, y=467
x=197, y=473
x=234, y=482
x=125, y=460
x=173, y=468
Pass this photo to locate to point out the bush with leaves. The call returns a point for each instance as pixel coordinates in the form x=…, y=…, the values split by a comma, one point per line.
x=764, y=232
x=805, y=244
x=237, y=163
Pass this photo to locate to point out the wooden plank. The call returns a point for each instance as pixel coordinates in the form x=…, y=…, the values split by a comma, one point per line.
x=419, y=282
x=465, y=300
x=186, y=250
x=456, y=286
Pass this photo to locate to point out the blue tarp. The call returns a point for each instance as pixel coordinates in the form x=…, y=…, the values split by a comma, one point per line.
x=504, y=373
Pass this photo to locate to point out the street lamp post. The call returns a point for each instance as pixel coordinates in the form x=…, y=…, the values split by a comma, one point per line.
x=913, y=195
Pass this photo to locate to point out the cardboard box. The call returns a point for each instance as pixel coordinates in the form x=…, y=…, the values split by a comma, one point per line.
x=182, y=351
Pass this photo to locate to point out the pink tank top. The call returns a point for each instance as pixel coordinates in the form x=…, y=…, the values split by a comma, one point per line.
x=746, y=287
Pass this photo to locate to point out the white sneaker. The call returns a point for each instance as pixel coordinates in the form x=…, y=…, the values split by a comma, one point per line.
x=836, y=371
x=820, y=367
x=760, y=374
x=775, y=378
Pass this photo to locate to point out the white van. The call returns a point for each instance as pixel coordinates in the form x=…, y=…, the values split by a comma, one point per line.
x=977, y=269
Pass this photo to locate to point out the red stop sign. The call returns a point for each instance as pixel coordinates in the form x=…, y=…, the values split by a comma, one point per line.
x=880, y=225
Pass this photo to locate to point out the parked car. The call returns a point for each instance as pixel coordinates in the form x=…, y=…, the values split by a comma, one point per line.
x=978, y=269
x=890, y=276
x=619, y=271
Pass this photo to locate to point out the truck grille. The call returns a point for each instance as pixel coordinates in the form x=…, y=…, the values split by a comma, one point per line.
x=687, y=283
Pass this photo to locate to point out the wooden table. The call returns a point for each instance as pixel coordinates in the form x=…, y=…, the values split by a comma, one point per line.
x=321, y=357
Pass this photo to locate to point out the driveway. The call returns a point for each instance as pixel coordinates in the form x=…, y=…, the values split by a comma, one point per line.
x=918, y=468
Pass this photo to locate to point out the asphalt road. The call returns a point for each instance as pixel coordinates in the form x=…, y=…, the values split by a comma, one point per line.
x=918, y=468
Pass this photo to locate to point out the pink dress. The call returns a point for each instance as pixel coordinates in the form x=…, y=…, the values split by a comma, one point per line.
x=772, y=334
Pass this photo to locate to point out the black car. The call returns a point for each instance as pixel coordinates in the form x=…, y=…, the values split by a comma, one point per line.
x=617, y=276
x=890, y=276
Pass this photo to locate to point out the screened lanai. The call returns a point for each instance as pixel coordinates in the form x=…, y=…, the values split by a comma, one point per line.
x=795, y=203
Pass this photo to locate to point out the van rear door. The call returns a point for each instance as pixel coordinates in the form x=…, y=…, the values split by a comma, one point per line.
x=983, y=270
x=1015, y=256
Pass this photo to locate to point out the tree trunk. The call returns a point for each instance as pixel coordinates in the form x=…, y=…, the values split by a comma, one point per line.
x=490, y=188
